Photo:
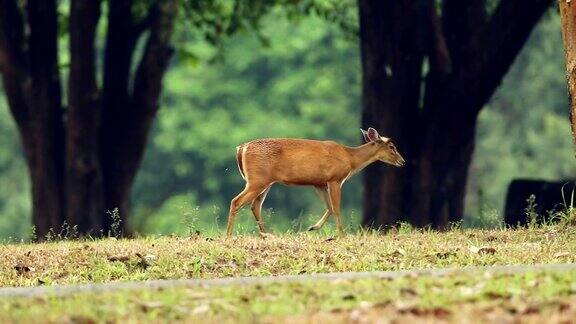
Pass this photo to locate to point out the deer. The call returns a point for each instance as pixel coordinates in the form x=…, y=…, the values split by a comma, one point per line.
x=325, y=165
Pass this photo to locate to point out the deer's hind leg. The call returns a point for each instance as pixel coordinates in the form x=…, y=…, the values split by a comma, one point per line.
x=257, y=208
x=250, y=192
x=323, y=193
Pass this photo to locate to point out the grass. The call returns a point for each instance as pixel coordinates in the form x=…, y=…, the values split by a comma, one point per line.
x=209, y=257
x=529, y=297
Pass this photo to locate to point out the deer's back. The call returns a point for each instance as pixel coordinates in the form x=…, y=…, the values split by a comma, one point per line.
x=294, y=161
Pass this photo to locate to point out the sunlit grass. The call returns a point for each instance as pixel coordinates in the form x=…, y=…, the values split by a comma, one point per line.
x=536, y=296
x=187, y=219
x=203, y=256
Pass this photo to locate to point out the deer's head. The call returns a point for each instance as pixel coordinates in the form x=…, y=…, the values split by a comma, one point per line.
x=386, y=151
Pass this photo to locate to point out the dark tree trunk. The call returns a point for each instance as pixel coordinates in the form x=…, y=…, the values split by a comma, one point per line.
x=84, y=182
x=79, y=174
x=120, y=43
x=469, y=53
x=32, y=85
x=130, y=117
x=439, y=184
x=392, y=48
x=46, y=152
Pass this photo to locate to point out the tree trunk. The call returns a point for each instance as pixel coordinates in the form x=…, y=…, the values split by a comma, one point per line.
x=129, y=119
x=120, y=43
x=469, y=55
x=392, y=50
x=79, y=174
x=44, y=139
x=568, y=18
x=84, y=182
x=439, y=184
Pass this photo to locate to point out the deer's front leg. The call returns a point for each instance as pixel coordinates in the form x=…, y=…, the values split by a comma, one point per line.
x=323, y=193
x=335, y=189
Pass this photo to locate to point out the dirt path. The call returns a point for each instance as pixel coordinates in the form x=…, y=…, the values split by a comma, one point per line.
x=63, y=290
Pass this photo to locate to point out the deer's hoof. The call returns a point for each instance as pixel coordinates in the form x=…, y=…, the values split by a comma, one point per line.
x=266, y=235
x=312, y=228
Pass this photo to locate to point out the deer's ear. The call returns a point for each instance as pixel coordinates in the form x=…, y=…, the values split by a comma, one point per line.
x=373, y=135
x=365, y=134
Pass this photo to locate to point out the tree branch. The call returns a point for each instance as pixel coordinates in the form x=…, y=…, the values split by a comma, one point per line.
x=157, y=54
x=150, y=73
x=499, y=44
x=13, y=59
x=119, y=50
x=440, y=57
x=82, y=86
x=462, y=22
x=12, y=45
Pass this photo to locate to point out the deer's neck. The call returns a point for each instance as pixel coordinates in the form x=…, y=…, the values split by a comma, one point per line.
x=362, y=156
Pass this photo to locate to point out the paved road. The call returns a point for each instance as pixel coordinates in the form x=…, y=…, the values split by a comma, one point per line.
x=62, y=290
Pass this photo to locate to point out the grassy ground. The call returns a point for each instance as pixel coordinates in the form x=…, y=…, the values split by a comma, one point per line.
x=530, y=297
x=203, y=257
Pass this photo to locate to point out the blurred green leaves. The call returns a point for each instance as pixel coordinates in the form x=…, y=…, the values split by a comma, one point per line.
x=14, y=183
x=304, y=83
x=215, y=21
x=524, y=132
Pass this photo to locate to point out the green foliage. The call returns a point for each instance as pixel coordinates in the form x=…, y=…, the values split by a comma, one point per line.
x=305, y=84
x=285, y=74
x=216, y=21
x=14, y=183
x=524, y=132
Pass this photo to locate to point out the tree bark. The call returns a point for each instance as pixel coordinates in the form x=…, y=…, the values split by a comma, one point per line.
x=101, y=149
x=28, y=62
x=129, y=119
x=568, y=18
x=120, y=44
x=469, y=54
x=392, y=50
x=46, y=118
x=84, y=182
x=439, y=184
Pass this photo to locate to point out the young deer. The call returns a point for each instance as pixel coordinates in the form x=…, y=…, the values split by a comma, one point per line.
x=326, y=165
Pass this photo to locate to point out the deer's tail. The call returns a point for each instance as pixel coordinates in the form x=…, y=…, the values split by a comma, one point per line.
x=239, y=159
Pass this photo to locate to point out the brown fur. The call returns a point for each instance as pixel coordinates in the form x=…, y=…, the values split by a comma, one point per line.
x=326, y=165
x=295, y=162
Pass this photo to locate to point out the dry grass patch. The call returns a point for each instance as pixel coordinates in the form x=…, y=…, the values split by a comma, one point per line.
x=202, y=257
